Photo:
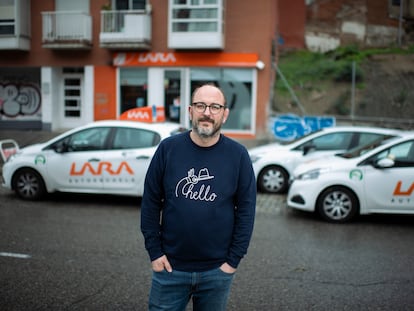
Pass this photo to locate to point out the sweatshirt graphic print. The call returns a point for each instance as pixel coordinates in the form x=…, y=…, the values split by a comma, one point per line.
x=186, y=185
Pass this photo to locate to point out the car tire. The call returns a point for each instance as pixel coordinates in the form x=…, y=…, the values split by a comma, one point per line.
x=273, y=179
x=28, y=184
x=337, y=204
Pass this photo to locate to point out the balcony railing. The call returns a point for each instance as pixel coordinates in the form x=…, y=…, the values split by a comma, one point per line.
x=67, y=30
x=125, y=29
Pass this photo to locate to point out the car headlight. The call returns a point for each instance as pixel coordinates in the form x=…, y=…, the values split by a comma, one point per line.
x=312, y=174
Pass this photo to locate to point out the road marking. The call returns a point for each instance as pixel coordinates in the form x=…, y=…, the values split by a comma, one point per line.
x=15, y=255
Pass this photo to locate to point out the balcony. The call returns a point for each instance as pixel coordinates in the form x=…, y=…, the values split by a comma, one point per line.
x=196, y=40
x=15, y=25
x=66, y=30
x=199, y=25
x=125, y=29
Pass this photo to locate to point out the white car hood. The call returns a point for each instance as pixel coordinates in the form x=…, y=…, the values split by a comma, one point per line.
x=32, y=149
x=269, y=148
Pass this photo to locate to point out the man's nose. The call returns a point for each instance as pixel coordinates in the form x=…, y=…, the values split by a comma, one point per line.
x=209, y=111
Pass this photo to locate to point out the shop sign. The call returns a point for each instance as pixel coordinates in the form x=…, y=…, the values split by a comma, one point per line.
x=215, y=59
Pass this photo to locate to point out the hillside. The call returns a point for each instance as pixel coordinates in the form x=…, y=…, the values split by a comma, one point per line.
x=383, y=94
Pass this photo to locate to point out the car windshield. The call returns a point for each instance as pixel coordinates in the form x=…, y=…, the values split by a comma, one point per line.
x=360, y=150
x=298, y=138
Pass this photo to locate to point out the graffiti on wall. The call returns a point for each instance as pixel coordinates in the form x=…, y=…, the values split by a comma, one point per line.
x=288, y=127
x=19, y=99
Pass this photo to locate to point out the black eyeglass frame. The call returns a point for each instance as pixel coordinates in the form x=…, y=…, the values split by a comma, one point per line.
x=216, y=107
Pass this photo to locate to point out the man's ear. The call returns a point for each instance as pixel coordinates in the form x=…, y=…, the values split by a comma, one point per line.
x=226, y=115
x=189, y=113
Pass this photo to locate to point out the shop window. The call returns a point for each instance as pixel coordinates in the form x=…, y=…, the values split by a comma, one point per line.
x=172, y=89
x=133, y=88
x=237, y=86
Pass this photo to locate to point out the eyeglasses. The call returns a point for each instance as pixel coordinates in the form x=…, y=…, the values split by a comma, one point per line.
x=200, y=107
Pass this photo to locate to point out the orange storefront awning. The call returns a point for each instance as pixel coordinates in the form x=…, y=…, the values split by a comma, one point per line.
x=178, y=59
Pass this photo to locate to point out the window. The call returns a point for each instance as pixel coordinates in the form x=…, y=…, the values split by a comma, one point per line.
x=237, y=85
x=367, y=138
x=196, y=15
x=7, y=18
x=333, y=141
x=129, y=138
x=87, y=140
x=402, y=154
x=130, y=4
x=133, y=88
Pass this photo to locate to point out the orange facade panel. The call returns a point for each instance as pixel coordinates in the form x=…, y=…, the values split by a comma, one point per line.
x=105, y=93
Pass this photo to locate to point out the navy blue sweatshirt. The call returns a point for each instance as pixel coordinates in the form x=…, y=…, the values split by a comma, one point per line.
x=198, y=205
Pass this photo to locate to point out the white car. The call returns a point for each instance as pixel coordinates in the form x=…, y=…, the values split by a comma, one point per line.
x=374, y=179
x=108, y=157
x=274, y=163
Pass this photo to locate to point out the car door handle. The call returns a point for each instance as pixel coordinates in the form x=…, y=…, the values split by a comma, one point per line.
x=142, y=157
x=94, y=160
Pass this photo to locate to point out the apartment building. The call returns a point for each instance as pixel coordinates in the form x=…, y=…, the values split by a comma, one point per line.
x=66, y=63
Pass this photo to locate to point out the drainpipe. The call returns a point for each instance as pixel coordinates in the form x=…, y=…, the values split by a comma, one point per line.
x=400, y=22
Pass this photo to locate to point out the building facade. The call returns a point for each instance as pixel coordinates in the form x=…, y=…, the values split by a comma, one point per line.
x=67, y=63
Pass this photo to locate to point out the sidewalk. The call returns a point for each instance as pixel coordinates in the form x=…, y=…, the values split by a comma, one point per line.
x=27, y=137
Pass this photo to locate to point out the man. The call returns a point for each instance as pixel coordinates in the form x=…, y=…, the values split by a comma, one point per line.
x=197, y=211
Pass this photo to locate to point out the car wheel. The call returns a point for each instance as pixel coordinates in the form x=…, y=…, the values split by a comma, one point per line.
x=337, y=204
x=273, y=179
x=28, y=184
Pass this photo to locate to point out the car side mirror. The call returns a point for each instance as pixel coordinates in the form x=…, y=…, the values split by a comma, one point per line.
x=308, y=148
x=61, y=147
x=384, y=163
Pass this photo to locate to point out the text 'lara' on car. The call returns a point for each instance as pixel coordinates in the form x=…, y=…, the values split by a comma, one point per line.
x=378, y=178
x=274, y=163
x=104, y=157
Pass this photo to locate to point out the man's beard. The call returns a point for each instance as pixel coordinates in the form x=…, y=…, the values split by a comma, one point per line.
x=206, y=132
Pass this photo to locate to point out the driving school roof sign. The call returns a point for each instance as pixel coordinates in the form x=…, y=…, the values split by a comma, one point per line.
x=147, y=114
x=186, y=59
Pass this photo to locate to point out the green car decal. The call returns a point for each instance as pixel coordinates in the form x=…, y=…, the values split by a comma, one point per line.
x=40, y=159
x=356, y=175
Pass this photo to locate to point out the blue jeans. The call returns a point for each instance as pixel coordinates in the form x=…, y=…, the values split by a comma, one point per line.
x=172, y=291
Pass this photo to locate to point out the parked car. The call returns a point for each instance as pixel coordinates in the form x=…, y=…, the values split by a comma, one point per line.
x=108, y=157
x=274, y=163
x=378, y=178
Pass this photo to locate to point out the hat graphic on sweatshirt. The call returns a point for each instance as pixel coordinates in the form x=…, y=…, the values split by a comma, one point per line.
x=192, y=179
x=204, y=174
